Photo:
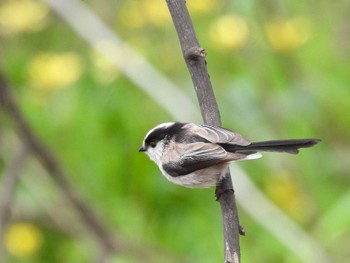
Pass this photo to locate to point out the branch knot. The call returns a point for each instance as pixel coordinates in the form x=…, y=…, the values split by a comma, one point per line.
x=194, y=53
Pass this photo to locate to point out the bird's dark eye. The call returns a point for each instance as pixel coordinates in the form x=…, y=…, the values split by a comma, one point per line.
x=153, y=144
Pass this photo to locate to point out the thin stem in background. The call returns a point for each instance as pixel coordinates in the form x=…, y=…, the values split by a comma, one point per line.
x=49, y=162
x=10, y=179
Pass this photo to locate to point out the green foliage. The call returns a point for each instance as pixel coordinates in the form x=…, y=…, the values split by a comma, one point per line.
x=268, y=85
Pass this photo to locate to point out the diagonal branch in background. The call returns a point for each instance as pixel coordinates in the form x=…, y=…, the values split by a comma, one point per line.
x=194, y=57
x=105, y=238
x=50, y=163
x=133, y=65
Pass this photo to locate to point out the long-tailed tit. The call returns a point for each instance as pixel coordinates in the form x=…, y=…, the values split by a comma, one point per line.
x=198, y=155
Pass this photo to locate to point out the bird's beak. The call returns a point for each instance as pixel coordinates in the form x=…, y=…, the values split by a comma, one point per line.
x=142, y=149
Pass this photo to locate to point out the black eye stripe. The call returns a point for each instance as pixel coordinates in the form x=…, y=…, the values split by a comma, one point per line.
x=165, y=133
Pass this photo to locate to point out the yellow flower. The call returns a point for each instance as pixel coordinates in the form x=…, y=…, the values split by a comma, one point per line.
x=156, y=12
x=136, y=14
x=51, y=71
x=287, y=35
x=131, y=15
x=203, y=6
x=229, y=32
x=23, y=239
x=104, y=71
x=21, y=16
x=288, y=195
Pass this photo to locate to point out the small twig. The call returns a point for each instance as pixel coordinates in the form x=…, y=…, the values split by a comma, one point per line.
x=11, y=176
x=211, y=115
x=194, y=53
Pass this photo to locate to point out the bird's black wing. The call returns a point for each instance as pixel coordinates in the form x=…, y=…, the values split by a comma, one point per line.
x=199, y=156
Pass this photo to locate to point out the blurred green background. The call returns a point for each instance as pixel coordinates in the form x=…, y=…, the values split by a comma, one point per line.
x=279, y=70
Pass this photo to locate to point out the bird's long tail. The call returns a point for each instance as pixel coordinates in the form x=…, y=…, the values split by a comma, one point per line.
x=289, y=146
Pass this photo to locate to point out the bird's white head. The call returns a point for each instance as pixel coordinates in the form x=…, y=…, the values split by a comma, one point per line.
x=155, y=140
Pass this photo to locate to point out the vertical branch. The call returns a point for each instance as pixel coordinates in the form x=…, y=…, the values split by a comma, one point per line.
x=195, y=59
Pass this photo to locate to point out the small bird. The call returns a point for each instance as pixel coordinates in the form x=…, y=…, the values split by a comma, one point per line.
x=197, y=156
